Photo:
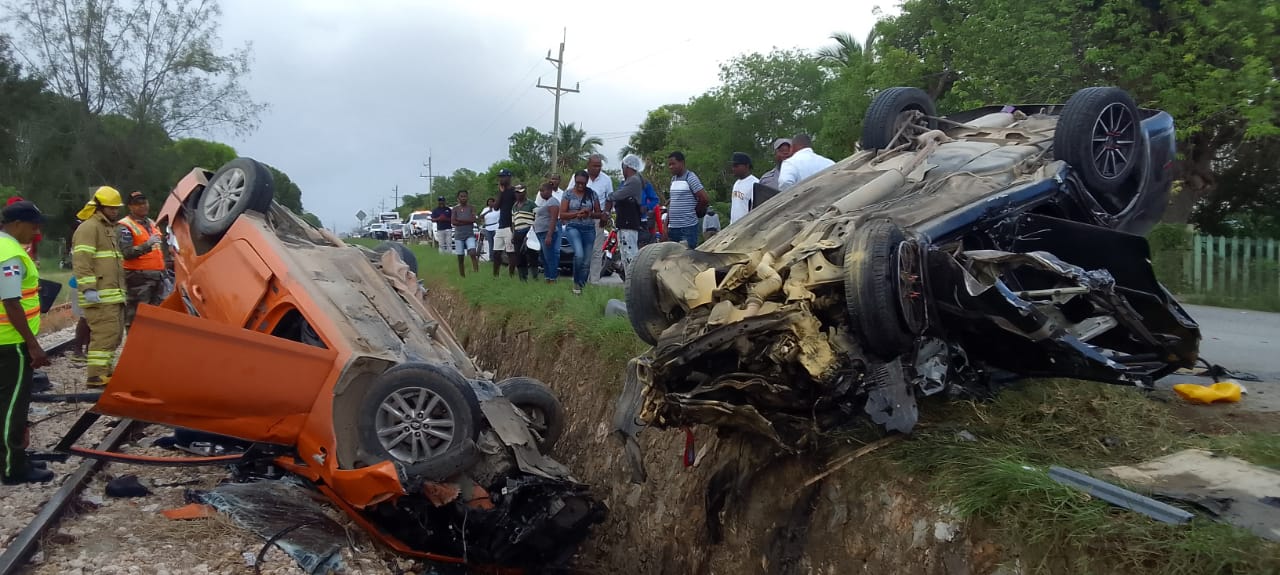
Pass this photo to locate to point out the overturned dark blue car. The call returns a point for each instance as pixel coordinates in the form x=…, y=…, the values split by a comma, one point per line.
x=1001, y=241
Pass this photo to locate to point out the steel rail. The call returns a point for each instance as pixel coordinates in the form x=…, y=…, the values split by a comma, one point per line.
x=20, y=549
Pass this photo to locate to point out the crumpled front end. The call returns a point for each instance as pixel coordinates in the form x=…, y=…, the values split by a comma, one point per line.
x=515, y=508
x=788, y=347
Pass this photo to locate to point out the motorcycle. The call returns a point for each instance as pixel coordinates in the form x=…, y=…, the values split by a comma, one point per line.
x=611, y=257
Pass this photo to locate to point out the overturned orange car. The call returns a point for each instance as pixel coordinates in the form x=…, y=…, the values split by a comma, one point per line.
x=327, y=358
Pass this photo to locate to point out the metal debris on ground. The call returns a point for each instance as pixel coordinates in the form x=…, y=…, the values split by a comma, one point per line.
x=285, y=514
x=1120, y=496
x=1233, y=490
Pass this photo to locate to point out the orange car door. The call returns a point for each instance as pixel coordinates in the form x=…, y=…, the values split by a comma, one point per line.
x=203, y=374
x=229, y=282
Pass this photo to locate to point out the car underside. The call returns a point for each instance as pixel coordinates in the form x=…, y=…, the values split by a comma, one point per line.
x=948, y=253
x=329, y=360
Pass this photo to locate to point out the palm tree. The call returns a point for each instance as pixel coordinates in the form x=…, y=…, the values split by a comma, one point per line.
x=575, y=147
x=847, y=51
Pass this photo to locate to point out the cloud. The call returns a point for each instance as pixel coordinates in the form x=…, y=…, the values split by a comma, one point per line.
x=361, y=91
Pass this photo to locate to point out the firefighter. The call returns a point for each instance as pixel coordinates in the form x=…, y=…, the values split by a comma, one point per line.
x=140, y=242
x=20, y=351
x=95, y=262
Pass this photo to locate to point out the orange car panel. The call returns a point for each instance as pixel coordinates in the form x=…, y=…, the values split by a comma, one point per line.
x=215, y=378
x=229, y=283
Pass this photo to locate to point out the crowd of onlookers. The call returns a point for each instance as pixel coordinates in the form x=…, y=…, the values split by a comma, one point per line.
x=530, y=233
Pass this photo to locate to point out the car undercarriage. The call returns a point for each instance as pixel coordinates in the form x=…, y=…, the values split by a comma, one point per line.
x=933, y=263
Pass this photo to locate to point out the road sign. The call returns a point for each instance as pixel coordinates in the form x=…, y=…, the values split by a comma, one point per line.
x=360, y=215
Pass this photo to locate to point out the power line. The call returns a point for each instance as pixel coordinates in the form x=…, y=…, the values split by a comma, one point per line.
x=511, y=102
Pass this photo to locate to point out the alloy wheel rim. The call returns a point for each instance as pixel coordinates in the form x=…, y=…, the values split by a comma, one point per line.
x=414, y=424
x=223, y=195
x=1114, y=140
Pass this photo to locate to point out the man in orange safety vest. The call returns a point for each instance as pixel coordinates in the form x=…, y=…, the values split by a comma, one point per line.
x=140, y=243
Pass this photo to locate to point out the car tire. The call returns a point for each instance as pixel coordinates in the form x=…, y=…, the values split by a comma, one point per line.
x=1099, y=128
x=412, y=394
x=647, y=318
x=871, y=290
x=406, y=254
x=540, y=405
x=881, y=122
x=240, y=185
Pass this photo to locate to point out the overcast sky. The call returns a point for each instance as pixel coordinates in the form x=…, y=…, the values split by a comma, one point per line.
x=360, y=91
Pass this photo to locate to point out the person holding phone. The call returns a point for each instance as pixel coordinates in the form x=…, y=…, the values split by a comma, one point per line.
x=580, y=210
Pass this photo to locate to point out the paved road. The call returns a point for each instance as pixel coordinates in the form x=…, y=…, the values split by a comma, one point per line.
x=1240, y=340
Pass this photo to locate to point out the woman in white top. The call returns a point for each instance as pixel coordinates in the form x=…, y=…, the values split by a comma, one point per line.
x=489, y=215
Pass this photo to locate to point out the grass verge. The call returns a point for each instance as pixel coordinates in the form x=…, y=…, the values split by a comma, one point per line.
x=548, y=311
x=1000, y=480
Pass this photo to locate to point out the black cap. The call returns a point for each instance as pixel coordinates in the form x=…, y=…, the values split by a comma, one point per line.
x=504, y=172
x=441, y=199
x=741, y=158
x=23, y=211
x=137, y=197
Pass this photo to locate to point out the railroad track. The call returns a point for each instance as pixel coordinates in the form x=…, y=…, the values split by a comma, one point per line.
x=27, y=540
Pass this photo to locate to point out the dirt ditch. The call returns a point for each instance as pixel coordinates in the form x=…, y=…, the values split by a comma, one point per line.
x=711, y=517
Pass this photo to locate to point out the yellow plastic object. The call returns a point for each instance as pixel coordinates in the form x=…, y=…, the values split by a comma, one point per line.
x=1223, y=391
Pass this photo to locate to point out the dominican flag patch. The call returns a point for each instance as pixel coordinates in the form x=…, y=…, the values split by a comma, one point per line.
x=10, y=271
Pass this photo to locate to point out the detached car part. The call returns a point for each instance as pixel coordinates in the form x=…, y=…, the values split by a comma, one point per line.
x=1004, y=239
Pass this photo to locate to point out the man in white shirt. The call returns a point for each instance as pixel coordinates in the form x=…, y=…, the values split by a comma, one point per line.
x=600, y=183
x=804, y=162
x=557, y=195
x=743, y=187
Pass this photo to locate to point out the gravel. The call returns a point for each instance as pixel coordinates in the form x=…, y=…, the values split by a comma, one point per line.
x=104, y=535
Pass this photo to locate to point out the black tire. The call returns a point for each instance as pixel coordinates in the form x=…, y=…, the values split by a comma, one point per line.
x=458, y=454
x=871, y=290
x=606, y=265
x=647, y=318
x=881, y=121
x=541, y=406
x=1109, y=115
x=406, y=254
x=241, y=185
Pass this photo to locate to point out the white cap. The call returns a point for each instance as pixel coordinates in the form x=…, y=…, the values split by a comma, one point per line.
x=634, y=162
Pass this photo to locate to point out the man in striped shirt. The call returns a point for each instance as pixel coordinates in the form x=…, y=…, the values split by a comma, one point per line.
x=686, y=196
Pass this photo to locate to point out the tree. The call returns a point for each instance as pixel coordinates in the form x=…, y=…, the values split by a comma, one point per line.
x=312, y=219
x=152, y=61
x=287, y=193
x=772, y=95
x=531, y=149
x=575, y=147
x=847, y=52
x=197, y=153
x=1212, y=65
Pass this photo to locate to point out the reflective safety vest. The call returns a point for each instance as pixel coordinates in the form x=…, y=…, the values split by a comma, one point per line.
x=150, y=261
x=9, y=249
x=95, y=260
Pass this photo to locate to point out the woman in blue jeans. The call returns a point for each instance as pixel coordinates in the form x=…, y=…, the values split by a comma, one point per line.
x=546, y=226
x=579, y=211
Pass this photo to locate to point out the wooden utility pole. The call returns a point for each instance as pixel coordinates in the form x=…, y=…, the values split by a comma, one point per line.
x=396, y=192
x=557, y=90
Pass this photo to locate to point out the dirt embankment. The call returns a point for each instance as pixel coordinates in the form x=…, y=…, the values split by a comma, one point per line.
x=861, y=519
